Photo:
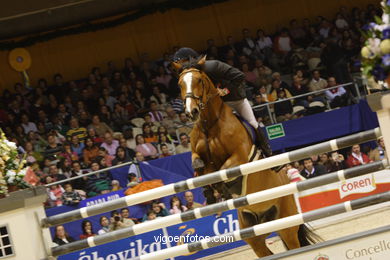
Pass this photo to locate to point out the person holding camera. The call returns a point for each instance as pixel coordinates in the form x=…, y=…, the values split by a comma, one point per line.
x=116, y=221
x=127, y=221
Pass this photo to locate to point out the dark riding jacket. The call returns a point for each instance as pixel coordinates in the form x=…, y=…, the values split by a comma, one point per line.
x=225, y=76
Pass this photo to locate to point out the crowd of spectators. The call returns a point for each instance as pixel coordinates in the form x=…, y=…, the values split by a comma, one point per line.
x=121, y=219
x=69, y=128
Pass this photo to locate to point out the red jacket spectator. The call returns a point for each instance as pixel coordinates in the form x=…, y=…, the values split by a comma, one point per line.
x=357, y=158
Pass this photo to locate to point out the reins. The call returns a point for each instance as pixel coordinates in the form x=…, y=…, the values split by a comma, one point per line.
x=204, y=125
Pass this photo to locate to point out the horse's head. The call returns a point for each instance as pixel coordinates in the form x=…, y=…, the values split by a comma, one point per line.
x=194, y=86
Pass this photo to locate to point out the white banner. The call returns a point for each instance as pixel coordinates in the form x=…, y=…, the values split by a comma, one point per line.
x=361, y=184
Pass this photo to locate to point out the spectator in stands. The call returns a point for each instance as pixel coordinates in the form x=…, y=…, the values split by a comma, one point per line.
x=155, y=114
x=27, y=124
x=129, y=137
x=183, y=126
x=90, y=151
x=146, y=149
x=159, y=209
x=77, y=146
x=129, y=152
x=191, y=204
x=293, y=174
x=75, y=130
x=277, y=85
x=159, y=98
x=105, y=115
x=108, y=158
x=176, y=206
x=184, y=145
x=95, y=138
x=357, y=157
x=282, y=44
x=262, y=73
x=127, y=221
x=337, y=161
x=53, y=148
x=148, y=133
x=61, y=237
x=264, y=45
x=100, y=127
x=86, y=227
x=164, y=151
x=56, y=174
x=120, y=118
x=379, y=153
x=116, y=221
x=317, y=83
x=326, y=162
x=99, y=183
x=55, y=194
x=164, y=140
x=80, y=183
x=310, y=170
x=163, y=77
x=169, y=120
x=261, y=113
x=70, y=197
x=150, y=215
x=299, y=89
x=115, y=185
x=284, y=109
x=248, y=44
x=110, y=144
x=121, y=156
x=105, y=224
x=337, y=96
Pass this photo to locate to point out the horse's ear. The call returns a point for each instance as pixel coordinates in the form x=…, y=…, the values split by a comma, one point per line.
x=202, y=60
x=177, y=66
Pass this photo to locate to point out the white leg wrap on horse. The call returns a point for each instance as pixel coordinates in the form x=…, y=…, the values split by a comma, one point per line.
x=243, y=108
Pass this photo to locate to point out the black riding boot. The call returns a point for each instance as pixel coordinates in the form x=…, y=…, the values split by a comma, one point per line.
x=262, y=142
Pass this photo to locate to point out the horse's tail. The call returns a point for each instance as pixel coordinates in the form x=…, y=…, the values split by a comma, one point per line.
x=307, y=236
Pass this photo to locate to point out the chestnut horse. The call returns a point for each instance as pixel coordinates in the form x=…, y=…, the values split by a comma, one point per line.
x=219, y=141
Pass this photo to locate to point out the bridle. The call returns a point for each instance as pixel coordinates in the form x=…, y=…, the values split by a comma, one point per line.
x=202, y=105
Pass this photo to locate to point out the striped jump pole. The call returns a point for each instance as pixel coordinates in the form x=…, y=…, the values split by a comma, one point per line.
x=211, y=178
x=219, y=207
x=267, y=227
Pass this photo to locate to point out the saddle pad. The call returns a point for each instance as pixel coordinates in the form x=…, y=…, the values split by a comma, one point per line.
x=249, y=128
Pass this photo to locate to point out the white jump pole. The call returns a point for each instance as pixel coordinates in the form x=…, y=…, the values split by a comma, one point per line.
x=250, y=199
x=267, y=227
x=211, y=178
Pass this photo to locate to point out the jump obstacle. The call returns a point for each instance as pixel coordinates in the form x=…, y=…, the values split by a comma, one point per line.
x=208, y=210
x=254, y=198
x=211, y=178
x=215, y=177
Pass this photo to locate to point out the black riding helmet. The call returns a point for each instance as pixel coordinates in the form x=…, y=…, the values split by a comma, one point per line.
x=185, y=54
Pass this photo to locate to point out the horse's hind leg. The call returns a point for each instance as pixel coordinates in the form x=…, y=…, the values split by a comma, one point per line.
x=289, y=235
x=256, y=243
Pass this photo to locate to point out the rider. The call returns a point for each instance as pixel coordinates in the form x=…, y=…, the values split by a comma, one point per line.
x=233, y=94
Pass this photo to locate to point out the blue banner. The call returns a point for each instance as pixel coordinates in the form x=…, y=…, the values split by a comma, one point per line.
x=153, y=241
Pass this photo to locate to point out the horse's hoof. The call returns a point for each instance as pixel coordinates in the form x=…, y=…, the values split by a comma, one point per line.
x=198, y=165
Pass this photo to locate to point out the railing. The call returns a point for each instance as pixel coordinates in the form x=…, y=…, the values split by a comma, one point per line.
x=268, y=104
x=92, y=173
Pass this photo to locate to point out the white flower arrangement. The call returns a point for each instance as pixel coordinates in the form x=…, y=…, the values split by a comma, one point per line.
x=376, y=51
x=12, y=167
